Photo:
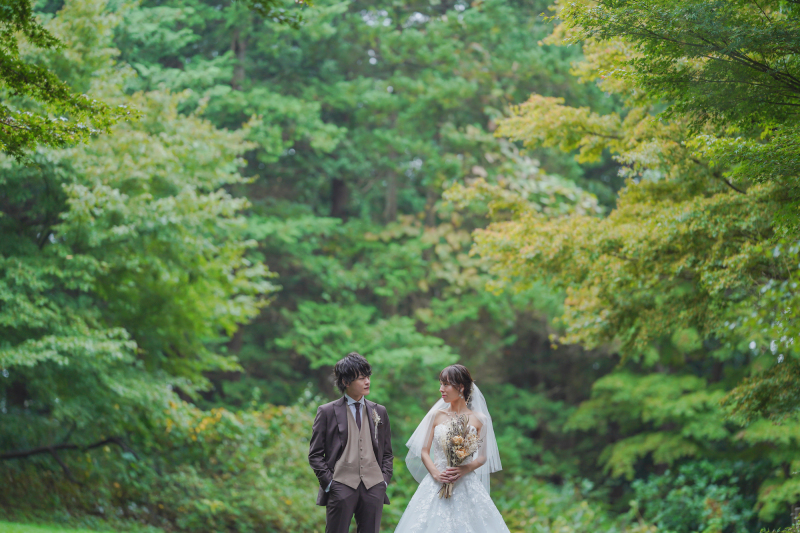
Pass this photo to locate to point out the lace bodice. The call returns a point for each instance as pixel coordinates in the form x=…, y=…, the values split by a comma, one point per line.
x=438, y=447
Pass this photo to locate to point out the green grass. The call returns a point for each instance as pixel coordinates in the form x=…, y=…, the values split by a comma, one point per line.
x=8, y=527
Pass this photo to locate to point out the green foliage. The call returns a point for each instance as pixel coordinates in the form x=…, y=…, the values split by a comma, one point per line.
x=120, y=276
x=681, y=413
x=791, y=529
x=363, y=115
x=123, y=269
x=376, y=103
x=131, y=268
x=529, y=430
x=772, y=394
x=692, y=274
x=135, y=267
x=685, y=244
x=244, y=471
x=8, y=527
x=529, y=505
x=648, y=418
x=700, y=496
x=769, y=321
x=274, y=10
x=731, y=62
x=39, y=108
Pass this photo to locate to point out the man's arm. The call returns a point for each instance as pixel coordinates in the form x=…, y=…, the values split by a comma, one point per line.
x=388, y=457
x=316, y=449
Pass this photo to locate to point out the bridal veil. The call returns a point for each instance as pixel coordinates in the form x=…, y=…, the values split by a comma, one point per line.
x=488, y=450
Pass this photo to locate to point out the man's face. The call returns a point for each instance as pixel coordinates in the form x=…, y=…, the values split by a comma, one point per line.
x=358, y=388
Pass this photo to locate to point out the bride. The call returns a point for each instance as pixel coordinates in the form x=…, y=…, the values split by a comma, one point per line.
x=469, y=509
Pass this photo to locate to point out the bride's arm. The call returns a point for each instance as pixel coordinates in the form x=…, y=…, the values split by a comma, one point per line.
x=426, y=453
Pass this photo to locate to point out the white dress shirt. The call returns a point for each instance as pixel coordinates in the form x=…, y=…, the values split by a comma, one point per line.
x=351, y=403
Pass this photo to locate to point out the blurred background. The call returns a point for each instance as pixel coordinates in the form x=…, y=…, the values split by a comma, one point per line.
x=279, y=185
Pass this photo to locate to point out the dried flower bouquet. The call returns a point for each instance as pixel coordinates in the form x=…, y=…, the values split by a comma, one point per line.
x=458, y=444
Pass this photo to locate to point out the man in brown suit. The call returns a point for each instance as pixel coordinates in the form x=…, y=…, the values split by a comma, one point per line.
x=351, y=452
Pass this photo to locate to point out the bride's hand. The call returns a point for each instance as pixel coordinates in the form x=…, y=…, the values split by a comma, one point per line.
x=452, y=474
x=439, y=477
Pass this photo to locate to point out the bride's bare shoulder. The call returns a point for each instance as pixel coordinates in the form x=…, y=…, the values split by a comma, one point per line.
x=476, y=420
x=440, y=418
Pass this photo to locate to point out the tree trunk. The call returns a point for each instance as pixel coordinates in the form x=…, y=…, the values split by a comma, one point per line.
x=339, y=198
x=390, y=211
x=237, y=341
x=239, y=48
x=430, y=209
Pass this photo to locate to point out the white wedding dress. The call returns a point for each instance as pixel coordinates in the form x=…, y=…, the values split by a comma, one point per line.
x=470, y=509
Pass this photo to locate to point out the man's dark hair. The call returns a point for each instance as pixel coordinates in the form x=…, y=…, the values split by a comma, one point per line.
x=348, y=369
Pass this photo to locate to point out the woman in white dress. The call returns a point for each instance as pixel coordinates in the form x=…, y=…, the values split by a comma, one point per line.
x=470, y=509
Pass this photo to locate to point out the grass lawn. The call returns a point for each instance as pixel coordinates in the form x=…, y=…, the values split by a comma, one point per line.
x=8, y=527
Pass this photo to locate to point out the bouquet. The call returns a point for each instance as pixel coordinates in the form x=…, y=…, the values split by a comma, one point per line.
x=459, y=444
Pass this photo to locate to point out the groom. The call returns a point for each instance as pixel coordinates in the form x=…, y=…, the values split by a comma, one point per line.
x=351, y=452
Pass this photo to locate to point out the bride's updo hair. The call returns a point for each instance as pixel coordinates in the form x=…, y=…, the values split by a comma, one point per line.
x=458, y=376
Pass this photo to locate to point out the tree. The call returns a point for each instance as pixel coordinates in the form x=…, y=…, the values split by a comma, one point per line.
x=362, y=117
x=39, y=108
x=124, y=265
x=688, y=273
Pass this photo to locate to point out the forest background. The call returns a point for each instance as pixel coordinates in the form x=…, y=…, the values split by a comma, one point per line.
x=596, y=213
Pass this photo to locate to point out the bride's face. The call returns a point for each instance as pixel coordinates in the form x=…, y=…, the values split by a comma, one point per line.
x=449, y=392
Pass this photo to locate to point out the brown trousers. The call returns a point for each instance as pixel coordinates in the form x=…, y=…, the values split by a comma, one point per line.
x=344, y=503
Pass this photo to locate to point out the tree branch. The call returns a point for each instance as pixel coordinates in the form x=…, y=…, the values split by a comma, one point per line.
x=64, y=467
x=789, y=81
x=718, y=176
x=24, y=454
x=37, y=451
x=6, y=123
x=601, y=135
x=732, y=186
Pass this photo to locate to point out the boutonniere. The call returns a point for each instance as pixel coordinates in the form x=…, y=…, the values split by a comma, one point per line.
x=376, y=418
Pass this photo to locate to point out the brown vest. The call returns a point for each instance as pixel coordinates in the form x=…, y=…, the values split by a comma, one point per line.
x=357, y=462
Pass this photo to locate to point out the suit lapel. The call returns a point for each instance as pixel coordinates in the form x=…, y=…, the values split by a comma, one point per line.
x=340, y=409
x=372, y=428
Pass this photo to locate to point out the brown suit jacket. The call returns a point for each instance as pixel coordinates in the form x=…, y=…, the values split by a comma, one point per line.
x=329, y=437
